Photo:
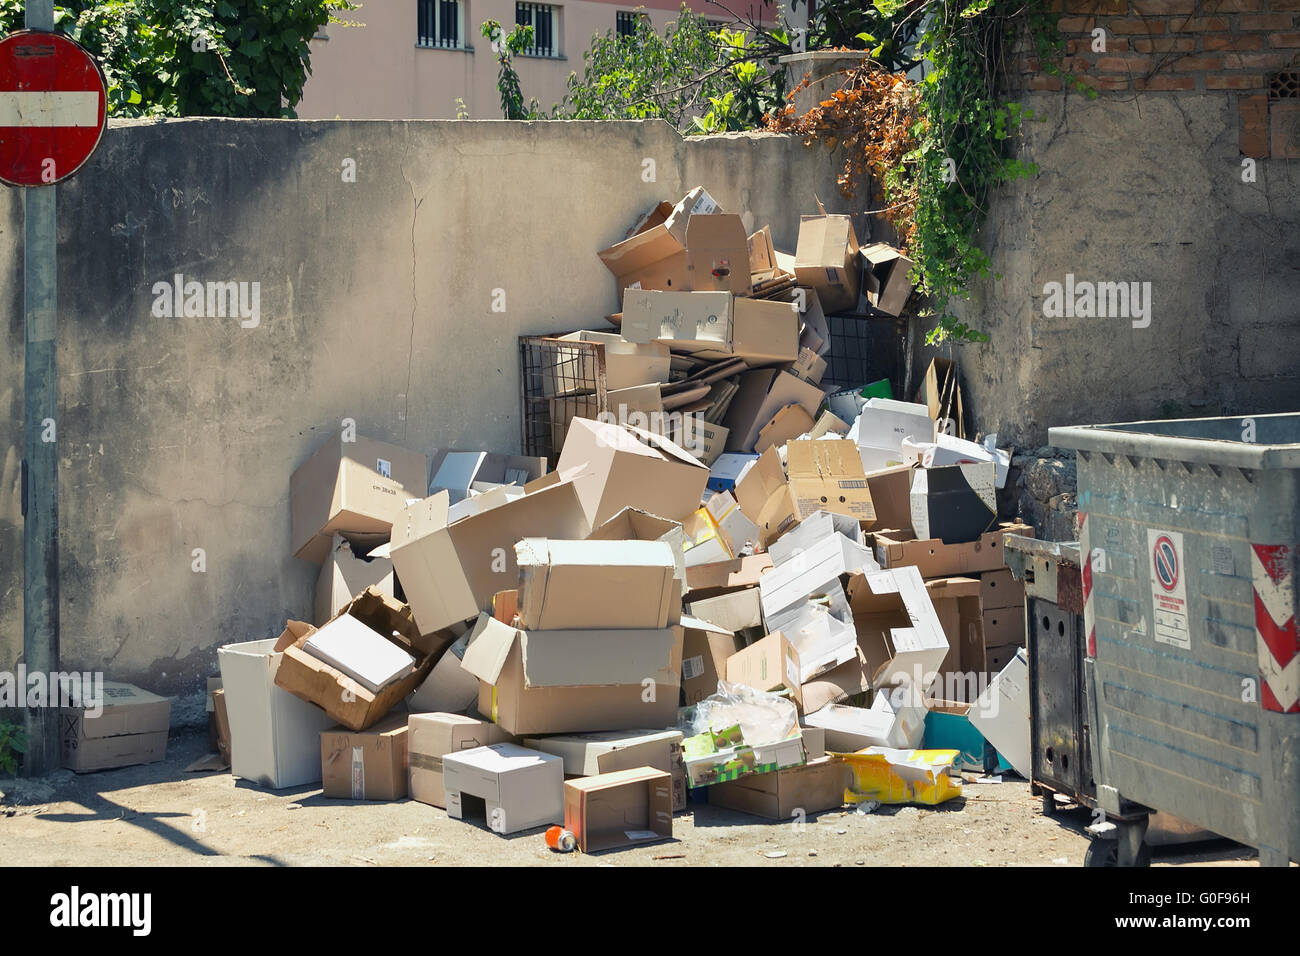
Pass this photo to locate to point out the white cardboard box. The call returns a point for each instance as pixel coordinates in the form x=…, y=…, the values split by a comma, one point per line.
x=585, y=755
x=850, y=729
x=883, y=424
x=1001, y=713
x=274, y=736
x=520, y=788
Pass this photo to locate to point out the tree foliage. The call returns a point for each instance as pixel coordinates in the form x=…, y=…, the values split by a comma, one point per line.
x=189, y=58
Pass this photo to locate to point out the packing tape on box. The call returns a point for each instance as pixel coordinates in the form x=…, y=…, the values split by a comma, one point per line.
x=358, y=774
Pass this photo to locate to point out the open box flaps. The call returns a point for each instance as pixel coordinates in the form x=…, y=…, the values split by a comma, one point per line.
x=347, y=701
x=597, y=584
x=898, y=629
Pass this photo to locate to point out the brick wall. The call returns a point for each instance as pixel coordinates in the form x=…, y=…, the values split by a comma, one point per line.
x=1248, y=49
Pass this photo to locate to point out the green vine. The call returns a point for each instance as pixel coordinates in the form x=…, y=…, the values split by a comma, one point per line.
x=506, y=46
x=12, y=743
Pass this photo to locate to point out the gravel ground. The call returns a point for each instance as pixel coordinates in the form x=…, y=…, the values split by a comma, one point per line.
x=158, y=815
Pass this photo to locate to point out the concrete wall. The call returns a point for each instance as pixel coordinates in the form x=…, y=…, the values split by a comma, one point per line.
x=181, y=433
x=1146, y=189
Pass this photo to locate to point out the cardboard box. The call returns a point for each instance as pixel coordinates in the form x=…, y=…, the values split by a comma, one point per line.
x=955, y=504
x=891, y=497
x=365, y=765
x=733, y=524
x=769, y=664
x=349, y=702
x=1001, y=713
x=359, y=651
x=850, y=729
x=787, y=424
x=357, y=486
x=953, y=600
x=813, y=572
x=717, y=254
x=826, y=259
x=713, y=325
x=762, y=393
x=822, y=640
x=632, y=524
x=881, y=427
x=705, y=542
x=810, y=531
x=460, y=472
x=614, y=466
x=624, y=808
x=1002, y=626
x=345, y=573
x=626, y=364
x=898, y=630
x=935, y=559
x=790, y=794
x=449, y=688
x=810, y=367
x=597, y=584
x=814, y=742
x=1001, y=589
x=274, y=736
x=571, y=681
x=998, y=656
x=727, y=468
x=733, y=611
x=706, y=647
x=654, y=255
x=703, y=440
x=827, y=475
x=710, y=580
x=430, y=737
x=450, y=570
x=887, y=279
x=946, y=450
x=222, y=716
x=828, y=424
x=766, y=332
x=731, y=763
x=940, y=393
x=130, y=729
x=587, y=755
x=518, y=788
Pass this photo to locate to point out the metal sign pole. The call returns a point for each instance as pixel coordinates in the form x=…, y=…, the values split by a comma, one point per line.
x=40, y=454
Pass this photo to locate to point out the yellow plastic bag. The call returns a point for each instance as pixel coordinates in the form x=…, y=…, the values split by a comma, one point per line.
x=901, y=776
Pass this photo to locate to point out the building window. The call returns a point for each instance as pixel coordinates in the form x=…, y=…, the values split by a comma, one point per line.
x=625, y=22
x=441, y=24
x=545, y=21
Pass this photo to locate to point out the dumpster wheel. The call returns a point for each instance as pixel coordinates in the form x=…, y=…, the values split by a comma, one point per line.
x=1105, y=852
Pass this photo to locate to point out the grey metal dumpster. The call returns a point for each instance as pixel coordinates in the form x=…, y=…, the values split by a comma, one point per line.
x=1189, y=531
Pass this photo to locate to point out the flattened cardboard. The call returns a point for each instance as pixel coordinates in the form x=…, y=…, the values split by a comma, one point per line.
x=343, y=575
x=706, y=646
x=356, y=486
x=552, y=682
x=222, y=716
x=786, y=794
x=450, y=571
x=520, y=788
x=826, y=259
x=624, y=808
x=935, y=559
x=365, y=765
x=430, y=737
x=274, y=736
x=347, y=701
x=597, y=584
x=615, y=466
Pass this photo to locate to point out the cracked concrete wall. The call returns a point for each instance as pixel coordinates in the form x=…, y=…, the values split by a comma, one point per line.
x=1146, y=189
x=376, y=295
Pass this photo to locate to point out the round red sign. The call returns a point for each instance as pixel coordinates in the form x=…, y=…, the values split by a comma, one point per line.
x=53, y=105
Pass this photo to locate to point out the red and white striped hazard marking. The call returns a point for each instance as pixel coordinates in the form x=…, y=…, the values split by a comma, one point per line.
x=1085, y=573
x=1273, y=573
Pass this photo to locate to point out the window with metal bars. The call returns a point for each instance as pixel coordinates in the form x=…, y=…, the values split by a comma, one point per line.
x=545, y=21
x=625, y=22
x=441, y=23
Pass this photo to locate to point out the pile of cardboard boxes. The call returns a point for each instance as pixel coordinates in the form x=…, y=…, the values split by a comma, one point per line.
x=712, y=606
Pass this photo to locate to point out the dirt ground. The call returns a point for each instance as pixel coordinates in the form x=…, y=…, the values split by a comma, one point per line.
x=158, y=815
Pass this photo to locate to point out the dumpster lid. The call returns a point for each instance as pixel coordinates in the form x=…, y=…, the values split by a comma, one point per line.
x=1242, y=441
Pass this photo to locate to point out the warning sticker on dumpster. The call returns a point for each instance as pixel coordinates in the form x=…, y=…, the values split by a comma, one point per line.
x=1169, y=588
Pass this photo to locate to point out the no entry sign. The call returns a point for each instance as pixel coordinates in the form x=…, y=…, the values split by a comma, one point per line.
x=52, y=108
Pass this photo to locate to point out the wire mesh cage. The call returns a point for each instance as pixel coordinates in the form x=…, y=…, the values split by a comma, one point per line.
x=560, y=379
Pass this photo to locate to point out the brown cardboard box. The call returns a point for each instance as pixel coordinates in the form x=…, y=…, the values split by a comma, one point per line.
x=1004, y=625
x=624, y=808
x=935, y=559
x=626, y=364
x=955, y=599
x=365, y=765
x=734, y=611
x=450, y=571
x=811, y=367
x=1001, y=589
x=597, y=584
x=713, y=325
x=130, y=729
x=632, y=524
x=769, y=664
x=826, y=475
x=458, y=471
x=792, y=793
x=826, y=259
x=654, y=256
x=828, y=424
x=709, y=580
x=430, y=737
x=763, y=392
x=888, y=283
x=705, y=650
x=998, y=656
x=347, y=701
x=586, y=755
x=343, y=574
x=614, y=466
x=357, y=486
x=214, y=684
x=891, y=497
x=766, y=498
x=717, y=254
x=789, y=423
x=765, y=332
x=703, y=440
x=223, y=723
x=553, y=682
